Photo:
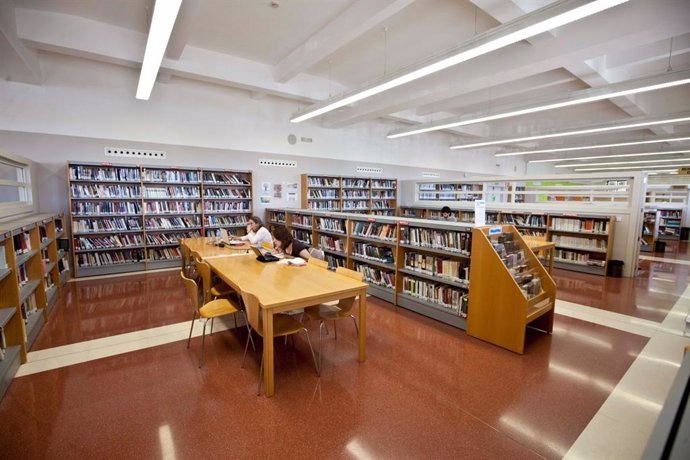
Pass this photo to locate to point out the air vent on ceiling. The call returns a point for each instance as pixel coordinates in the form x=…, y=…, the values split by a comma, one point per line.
x=280, y=163
x=134, y=153
x=430, y=174
x=368, y=170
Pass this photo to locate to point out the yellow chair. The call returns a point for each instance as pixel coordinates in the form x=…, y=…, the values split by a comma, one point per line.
x=283, y=325
x=211, y=291
x=329, y=312
x=209, y=310
x=187, y=267
x=318, y=263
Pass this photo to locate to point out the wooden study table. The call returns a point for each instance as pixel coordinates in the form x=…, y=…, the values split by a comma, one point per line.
x=206, y=249
x=537, y=244
x=283, y=288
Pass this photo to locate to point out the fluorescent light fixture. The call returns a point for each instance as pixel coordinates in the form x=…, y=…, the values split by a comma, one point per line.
x=667, y=160
x=681, y=165
x=542, y=20
x=664, y=171
x=619, y=155
x=639, y=122
x=162, y=22
x=641, y=85
x=592, y=147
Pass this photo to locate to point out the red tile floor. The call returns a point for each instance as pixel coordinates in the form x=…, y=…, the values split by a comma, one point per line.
x=427, y=390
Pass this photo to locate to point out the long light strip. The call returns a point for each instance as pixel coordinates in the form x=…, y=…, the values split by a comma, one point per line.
x=162, y=22
x=591, y=147
x=610, y=163
x=682, y=165
x=641, y=85
x=576, y=132
x=542, y=20
x=619, y=155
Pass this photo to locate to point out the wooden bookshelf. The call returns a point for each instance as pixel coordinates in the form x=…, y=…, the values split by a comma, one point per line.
x=583, y=243
x=274, y=217
x=350, y=194
x=129, y=218
x=670, y=221
x=502, y=304
x=650, y=229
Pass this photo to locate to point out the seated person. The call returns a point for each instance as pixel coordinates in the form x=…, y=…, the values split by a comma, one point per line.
x=447, y=214
x=257, y=234
x=284, y=242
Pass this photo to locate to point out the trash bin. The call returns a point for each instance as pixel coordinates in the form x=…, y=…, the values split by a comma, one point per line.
x=614, y=269
x=685, y=233
x=660, y=246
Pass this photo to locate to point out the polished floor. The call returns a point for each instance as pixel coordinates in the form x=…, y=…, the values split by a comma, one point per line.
x=110, y=377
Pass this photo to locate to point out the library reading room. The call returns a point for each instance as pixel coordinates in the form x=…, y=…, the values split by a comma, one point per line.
x=492, y=195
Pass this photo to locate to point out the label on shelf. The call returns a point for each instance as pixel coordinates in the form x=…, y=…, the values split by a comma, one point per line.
x=494, y=230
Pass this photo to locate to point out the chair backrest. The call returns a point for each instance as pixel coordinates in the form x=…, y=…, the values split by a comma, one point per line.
x=345, y=305
x=204, y=270
x=192, y=290
x=316, y=253
x=316, y=262
x=251, y=304
x=186, y=256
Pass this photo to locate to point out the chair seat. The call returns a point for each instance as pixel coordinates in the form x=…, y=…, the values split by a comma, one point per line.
x=218, y=307
x=284, y=325
x=325, y=311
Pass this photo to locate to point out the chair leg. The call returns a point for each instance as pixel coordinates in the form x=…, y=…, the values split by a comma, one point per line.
x=335, y=329
x=211, y=326
x=190, y=328
x=316, y=365
x=261, y=375
x=356, y=327
x=203, y=340
x=249, y=329
x=246, y=345
x=234, y=316
x=322, y=324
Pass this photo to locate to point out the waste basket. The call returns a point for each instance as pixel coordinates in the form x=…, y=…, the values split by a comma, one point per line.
x=660, y=246
x=615, y=268
x=685, y=233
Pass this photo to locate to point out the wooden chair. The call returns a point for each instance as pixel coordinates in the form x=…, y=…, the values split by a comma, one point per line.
x=283, y=325
x=211, y=290
x=316, y=253
x=209, y=310
x=187, y=267
x=329, y=312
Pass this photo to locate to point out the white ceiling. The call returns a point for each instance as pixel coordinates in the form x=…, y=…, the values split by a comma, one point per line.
x=308, y=50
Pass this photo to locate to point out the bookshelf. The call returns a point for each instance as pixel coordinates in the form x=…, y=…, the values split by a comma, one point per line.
x=510, y=289
x=330, y=232
x=227, y=200
x=29, y=285
x=670, y=220
x=274, y=217
x=127, y=218
x=350, y=194
x=301, y=226
x=650, y=227
x=583, y=243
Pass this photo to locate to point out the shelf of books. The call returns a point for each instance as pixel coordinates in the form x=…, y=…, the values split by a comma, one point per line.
x=49, y=265
x=510, y=289
x=650, y=225
x=227, y=201
x=583, y=243
x=274, y=217
x=465, y=216
x=301, y=226
x=129, y=218
x=527, y=223
x=350, y=194
x=670, y=221
x=330, y=232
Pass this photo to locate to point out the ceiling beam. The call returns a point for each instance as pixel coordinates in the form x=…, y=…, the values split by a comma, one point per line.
x=358, y=19
x=186, y=19
x=19, y=63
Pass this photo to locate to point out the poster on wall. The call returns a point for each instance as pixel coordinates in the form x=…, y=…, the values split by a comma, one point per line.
x=292, y=197
x=278, y=191
x=265, y=187
x=263, y=199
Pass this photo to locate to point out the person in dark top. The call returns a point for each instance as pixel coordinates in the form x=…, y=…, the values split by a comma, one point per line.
x=447, y=214
x=284, y=242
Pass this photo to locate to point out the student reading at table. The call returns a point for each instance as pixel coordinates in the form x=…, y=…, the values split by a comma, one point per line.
x=257, y=234
x=284, y=242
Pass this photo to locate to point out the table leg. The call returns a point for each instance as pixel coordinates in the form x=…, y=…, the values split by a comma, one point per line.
x=363, y=325
x=269, y=384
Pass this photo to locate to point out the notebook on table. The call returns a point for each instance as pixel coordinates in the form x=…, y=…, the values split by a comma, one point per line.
x=264, y=257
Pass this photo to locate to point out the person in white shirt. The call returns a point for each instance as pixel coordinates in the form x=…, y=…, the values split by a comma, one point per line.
x=257, y=234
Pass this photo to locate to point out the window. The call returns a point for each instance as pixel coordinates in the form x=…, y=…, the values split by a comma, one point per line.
x=15, y=187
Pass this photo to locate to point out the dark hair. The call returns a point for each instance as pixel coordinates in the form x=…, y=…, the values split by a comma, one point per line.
x=257, y=220
x=283, y=235
x=446, y=209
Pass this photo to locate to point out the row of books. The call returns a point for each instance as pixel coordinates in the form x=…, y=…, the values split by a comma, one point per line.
x=29, y=307
x=525, y=220
x=214, y=221
x=582, y=258
x=3, y=257
x=90, y=208
x=369, y=251
x=373, y=275
x=227, y=193
x=164, y=253
x=22, y=243
x=374, y=230
x=161, y=175
x=356, y=194
x=277, y=217
x=332, y=243
x=22, y=275
x=105, y=191
x=438, y=266
x=302, y=235
x=334, y=261
x=109, y=224
x=580, y=225
x=387, y=184
x=323, y=182
x=159, y=239
x=580, y=243
x=172, y=222
x=301, y=219
x=100, y=259
x=323, y=193
x=383, y=212
x=108, y=242
x=227, y=206
x=103, y=173
x=331, y=225
x=460, y=242
x=347, y=205
x=382, y=195
x=671, y=213
x=513, y=258
x=172, y=192
x=163, y=207
x=225, y=178
x=442, y=295
x=325, y=205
